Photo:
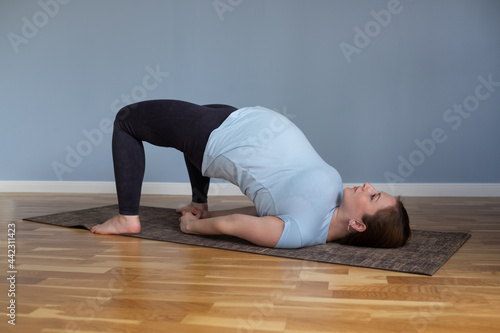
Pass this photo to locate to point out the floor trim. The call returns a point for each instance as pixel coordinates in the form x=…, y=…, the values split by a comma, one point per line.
x=415, y=189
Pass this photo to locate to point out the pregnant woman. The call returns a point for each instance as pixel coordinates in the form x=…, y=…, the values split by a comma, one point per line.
x=298, y=198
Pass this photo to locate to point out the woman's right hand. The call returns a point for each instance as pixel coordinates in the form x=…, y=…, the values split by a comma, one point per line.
x=187, y=221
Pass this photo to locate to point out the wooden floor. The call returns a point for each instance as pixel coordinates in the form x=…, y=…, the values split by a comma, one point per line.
x=69, y=280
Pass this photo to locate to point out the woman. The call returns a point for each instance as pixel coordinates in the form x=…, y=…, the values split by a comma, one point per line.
x=299, y=200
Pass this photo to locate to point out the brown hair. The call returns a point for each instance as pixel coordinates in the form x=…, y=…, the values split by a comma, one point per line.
x=389, y=228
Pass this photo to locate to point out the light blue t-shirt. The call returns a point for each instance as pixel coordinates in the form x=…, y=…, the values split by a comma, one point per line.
x=275, y=166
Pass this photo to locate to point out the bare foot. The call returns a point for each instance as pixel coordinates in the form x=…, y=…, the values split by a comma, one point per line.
x=194, y=208
x=120, y=224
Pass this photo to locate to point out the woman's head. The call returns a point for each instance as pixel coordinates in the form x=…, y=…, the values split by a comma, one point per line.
x=375, y=219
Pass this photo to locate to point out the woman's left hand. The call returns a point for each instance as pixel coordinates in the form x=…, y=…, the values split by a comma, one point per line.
x=194, y=207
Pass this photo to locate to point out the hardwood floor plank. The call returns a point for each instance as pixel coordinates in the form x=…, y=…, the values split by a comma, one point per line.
x=69, y=280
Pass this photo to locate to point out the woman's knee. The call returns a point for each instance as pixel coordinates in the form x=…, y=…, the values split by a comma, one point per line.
x=124, y=113
x=219, y=106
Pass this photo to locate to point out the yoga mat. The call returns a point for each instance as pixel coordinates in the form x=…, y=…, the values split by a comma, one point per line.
x=424, y=253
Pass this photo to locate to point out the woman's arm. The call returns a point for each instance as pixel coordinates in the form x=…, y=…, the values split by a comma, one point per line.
x=250, y=210
x=263, y=231
x=194, y=207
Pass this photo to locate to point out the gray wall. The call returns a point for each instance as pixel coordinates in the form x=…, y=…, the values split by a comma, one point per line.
x=386, y=91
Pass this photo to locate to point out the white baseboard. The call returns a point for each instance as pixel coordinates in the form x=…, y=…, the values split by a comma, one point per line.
x=410, y=190
x=109, y=187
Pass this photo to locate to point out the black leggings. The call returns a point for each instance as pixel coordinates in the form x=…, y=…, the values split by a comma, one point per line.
x=167, y=123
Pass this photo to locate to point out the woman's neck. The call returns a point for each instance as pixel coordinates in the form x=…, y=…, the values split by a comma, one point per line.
x=338, y=226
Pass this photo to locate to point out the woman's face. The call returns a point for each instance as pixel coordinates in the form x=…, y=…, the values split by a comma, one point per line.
x=361, y=200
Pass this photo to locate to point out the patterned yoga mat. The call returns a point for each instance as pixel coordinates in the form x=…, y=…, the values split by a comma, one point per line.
x=424, y=253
